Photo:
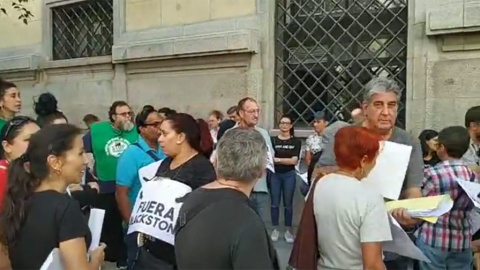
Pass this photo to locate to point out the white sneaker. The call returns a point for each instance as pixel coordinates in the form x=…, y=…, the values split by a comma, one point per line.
x=275, y=235
x=289, y=237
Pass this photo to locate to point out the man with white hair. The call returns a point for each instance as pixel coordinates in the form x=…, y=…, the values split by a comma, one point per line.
x=380, y=107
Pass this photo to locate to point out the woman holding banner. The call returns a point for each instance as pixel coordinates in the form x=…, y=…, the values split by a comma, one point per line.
x=181, y=141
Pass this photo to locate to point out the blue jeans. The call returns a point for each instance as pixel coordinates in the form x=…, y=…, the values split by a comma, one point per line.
x=259, y=202
x=132, y=249
x=282, y=184
x=461, y=260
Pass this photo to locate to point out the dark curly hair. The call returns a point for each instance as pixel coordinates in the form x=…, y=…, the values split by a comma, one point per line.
x=52, y=140
x=47, y=110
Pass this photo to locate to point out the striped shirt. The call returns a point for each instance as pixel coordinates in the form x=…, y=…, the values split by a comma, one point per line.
x=452, y=232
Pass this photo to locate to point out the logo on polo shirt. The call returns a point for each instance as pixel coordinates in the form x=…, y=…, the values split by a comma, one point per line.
x=115, y=146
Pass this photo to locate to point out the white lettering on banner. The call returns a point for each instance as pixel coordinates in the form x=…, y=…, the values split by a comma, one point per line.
x=270, y=163
x=156, y=209
x=148, y=172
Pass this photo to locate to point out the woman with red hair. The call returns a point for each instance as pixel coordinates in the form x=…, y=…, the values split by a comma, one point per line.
x=351, y=217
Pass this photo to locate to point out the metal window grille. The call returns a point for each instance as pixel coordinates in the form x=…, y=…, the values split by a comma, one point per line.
x=83, y=29
x=327, y=50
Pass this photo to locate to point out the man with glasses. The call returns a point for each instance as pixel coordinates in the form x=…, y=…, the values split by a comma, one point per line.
x=105, y=142
x=142, y=153
x=249, y=113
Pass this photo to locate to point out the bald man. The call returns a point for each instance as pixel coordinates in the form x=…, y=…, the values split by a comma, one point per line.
x=357, y=115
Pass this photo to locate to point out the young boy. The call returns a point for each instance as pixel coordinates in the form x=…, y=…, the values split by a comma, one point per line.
x=447, y=242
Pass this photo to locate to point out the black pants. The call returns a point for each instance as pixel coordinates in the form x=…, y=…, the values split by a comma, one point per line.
x=146, y=261
x=112, y=231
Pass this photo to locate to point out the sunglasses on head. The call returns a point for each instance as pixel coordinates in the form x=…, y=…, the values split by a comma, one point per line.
x=18, y=121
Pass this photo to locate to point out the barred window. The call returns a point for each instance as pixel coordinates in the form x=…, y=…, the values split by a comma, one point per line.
x=83, y=29
x=327, y=50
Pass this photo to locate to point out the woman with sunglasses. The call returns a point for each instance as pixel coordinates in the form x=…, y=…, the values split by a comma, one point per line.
x=15, y=136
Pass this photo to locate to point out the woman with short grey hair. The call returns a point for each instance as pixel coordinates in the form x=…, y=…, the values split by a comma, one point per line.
x=217, y=225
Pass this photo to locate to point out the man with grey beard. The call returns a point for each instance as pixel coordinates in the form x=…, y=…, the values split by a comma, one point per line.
x=104, y=144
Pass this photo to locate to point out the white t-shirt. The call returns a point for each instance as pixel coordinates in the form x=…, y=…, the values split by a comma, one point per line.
x=347, y=213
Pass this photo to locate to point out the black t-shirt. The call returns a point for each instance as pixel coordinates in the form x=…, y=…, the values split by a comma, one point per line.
x=222, y=231
x=52, y=218
x=286, y=149
x=195, y=173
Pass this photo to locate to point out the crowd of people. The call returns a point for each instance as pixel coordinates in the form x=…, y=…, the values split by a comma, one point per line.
x=186, y=193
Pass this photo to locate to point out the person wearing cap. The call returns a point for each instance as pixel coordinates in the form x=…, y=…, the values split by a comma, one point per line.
x=314, y=145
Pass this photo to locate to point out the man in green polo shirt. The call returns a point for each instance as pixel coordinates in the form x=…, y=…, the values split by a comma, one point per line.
x=105, y=142
x=10, y=102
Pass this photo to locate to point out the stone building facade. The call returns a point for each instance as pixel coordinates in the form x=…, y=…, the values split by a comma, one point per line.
x=199, y=55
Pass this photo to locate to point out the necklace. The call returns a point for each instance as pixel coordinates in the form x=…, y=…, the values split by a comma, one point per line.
x=178, y=169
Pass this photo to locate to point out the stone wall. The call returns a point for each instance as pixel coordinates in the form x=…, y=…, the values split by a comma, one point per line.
x=443, y=62
x=192, y=55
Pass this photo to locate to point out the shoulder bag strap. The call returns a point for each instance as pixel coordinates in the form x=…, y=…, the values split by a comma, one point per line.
x=152, y=155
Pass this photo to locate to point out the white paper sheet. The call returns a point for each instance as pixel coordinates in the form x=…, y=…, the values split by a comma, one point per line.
x=402, y=244
x=474, y=217
x=95, y=223
x=445, y=205
x=270, y=158
x=148, y=172
x=472, y=189
x=53, y=261
x=389, y=173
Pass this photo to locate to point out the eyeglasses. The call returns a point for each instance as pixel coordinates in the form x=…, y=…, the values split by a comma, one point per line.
x=154, y=124
x=125, y=114
x=252, y=111
x=285, y=123
x=18, y=121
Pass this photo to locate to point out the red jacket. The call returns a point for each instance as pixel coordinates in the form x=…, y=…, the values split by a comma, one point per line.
x=3, y=179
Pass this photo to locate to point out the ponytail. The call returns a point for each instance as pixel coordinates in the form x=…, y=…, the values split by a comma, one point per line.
x=292, y=131
x=21, y=186
x=206, y=141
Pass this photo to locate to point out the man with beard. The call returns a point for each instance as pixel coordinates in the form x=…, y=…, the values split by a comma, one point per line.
x=105, y=142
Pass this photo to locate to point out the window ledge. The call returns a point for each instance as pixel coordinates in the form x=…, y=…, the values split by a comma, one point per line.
x=244, y=41
x=19, y=63
x=77, y=62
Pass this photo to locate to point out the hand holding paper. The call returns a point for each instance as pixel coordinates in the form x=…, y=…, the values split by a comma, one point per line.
x=95, y=223
x=472, y=189
x=426, y=208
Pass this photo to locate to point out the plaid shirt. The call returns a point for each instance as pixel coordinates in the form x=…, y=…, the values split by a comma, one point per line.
x=452, y=232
